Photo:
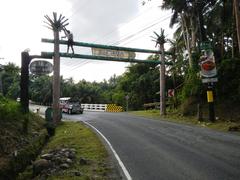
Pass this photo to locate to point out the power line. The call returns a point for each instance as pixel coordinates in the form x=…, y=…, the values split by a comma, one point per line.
x=140, y=31
x=80, y=64
x=74, y=64
x=87, y=61
x=137, y=36
x=115, y=29
x=77, y=64
x=82, y=5
x=125, y=39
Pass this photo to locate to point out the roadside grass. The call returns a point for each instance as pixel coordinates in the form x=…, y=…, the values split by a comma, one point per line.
x=175, y=116
x=87, y=145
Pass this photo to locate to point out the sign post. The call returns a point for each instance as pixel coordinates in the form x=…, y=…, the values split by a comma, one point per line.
x=209, y=76
x=56, y=24
x=161, y=41
x=24, y=97
x=127, y=98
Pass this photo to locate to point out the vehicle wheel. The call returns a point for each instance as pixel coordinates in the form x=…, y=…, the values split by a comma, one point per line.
x=69, y=111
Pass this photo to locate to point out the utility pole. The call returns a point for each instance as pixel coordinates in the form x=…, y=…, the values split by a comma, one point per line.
x=127, y=98
x=210, y=99
x=209, y=76
x=56, y=78
x=162, y=81
x=56, y=24
x=160, y=40
x=237, y=17
x=24, y=98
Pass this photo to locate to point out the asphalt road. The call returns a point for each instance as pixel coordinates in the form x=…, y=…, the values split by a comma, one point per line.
x=159, y=150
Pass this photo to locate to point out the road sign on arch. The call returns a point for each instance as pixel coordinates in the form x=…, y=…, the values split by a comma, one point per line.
x=41, y=67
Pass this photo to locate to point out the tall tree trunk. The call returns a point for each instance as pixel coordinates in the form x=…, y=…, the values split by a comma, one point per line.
x=24, y=82
x=222, y=45
x=223, y=19
x=184, y=35
x=202, y=29
x=237, y=17
x=233, y=32
x=56, y=79
x=174, y=70
x=184, y=24
x=194, y=16
x=193, y=39
x=162, y=81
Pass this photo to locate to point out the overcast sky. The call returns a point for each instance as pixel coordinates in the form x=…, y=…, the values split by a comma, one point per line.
x=111, y=22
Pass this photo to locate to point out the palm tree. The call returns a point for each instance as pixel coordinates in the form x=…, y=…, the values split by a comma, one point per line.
x=56, y=24
x=237, y=18
x=180, y=16
x=160, y=39
x=188, y=14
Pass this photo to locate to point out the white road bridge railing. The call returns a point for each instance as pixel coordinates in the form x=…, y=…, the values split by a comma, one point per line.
x=87, y=107
x=94, y=107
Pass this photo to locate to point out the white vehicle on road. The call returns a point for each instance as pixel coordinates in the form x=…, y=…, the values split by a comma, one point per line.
x=69, y=106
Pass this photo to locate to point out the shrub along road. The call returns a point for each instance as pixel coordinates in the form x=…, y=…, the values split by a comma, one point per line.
x=152, y=149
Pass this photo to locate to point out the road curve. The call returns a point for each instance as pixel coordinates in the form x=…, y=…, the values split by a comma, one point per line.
x=159, y=150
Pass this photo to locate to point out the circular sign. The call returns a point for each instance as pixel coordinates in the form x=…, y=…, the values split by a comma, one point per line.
x=208, y=68
x=208, y=65
x=41, y=67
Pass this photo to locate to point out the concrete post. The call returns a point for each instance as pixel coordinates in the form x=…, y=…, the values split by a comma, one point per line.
x=162, y=81
x=56, y=78
x=24, y=97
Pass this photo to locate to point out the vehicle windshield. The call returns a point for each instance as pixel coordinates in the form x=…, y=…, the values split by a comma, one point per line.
x=74, y=102
x=68, y=100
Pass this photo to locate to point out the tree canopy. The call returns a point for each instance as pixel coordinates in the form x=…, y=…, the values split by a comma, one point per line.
x=196, y=22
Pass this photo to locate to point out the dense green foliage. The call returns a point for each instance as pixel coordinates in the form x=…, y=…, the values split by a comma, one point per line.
x=9, y=110
x=214, y=22
x=229, y=80
x=16, y=136
x=9, y=81
x=196, y=21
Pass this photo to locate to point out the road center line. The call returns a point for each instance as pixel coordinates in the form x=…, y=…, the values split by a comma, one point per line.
x=125, y=171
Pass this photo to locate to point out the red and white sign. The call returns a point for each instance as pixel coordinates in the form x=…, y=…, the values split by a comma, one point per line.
x=170, y=92
x=208, y=69
x=208, y=66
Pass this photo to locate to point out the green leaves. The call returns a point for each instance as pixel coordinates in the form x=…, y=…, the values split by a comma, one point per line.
x=56, y=24
x=41, y=89
x=159, y=38
x=9, y=110
x=10, y=81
